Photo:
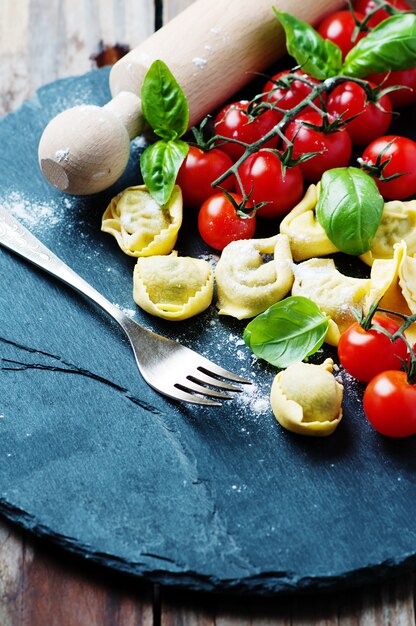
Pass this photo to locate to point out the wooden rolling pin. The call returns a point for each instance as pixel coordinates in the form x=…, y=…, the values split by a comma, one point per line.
x=212, y=48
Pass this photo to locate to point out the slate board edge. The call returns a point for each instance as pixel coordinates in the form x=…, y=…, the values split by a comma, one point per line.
x=267, y=584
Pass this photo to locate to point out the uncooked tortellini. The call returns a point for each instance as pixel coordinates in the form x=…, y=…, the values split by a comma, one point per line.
x=247, y=284
x=173, y=287
x=141, y=226
x=307, y=238
x=398, y=223
x=384, y=286
x=393, y=285
x=334, y=293
x=307, y=399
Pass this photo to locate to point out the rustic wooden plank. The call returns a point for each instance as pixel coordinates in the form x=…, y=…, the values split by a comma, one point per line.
x=388, y=604
x=181, y=609
x=40, y=584
x=74, y=30
x=11, y=574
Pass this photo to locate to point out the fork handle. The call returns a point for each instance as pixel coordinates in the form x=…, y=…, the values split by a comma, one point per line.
x=15, y=237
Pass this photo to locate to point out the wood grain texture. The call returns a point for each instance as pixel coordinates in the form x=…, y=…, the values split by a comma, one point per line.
x=43, y=40
x=41, y=586
x=387, y=604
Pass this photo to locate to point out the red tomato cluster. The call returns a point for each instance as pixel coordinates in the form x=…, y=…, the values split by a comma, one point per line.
x=371, y=357
x=270, y=179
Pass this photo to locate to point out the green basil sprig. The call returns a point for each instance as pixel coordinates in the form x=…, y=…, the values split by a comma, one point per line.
x=349, y=208
x=166, y=110
x=318, y=56
x=390, y=46
x=287, y=332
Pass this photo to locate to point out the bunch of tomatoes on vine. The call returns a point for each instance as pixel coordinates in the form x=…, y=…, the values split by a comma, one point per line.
x=334, y=106
x=260, y=153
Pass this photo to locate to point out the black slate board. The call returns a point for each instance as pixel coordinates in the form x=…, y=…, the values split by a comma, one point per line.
x=212, y=499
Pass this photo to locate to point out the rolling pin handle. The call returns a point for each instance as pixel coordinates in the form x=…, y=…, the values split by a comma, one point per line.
x=126, y=106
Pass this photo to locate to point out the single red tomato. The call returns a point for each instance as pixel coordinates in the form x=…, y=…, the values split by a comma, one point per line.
x=390, y=404
x=340, y=28
x=366, y=353
x=372, y=115
x=198, y=172
x=219, y=222
x=406, y=78
x=234, y=122
x=287, y=94
x=366, y=6
x=333, y=146
x=388, y=156
x=264, y=179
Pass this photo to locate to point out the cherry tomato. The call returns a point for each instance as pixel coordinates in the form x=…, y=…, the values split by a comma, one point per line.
x=339, y=27
x=198, y=172
x=286, y=96
x=234, y=122
x=372, y=119
x=400, y=97
x=365, y=6
x=219, y=223
x=262, y=177
x=398, y=156
x=366, y=353
x=334, y=146
x=390, y=404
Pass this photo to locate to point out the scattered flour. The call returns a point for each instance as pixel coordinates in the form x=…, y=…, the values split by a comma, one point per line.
x=62, y=155
x=199, y=62
x=34, y=213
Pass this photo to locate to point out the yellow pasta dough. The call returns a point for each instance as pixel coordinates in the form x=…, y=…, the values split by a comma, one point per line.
x=307, y=238
x=141, y=226
x=384, y=285
x=247, y=284
x=393, y=285
x=334, y=293
x=173, y=287
x=306, y=399
x=398, y=223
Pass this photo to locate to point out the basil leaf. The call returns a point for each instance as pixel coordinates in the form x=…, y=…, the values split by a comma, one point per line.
x=287, y=332
x=318, y=57
x=390, y=46
x=159, y=165
x=164, y=104
x=349, y=208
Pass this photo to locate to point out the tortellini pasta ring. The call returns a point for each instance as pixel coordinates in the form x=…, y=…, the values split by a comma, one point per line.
x=247, y=283
x=307, y=399
x=333, y=292
x=307, y=238
x=398, y=223
x=172, y=287
x=141, y=226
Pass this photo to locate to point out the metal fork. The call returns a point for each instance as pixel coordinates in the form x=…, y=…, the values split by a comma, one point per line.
x=169, y=367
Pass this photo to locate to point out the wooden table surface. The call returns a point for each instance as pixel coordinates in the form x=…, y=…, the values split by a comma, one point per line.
x=40, y=585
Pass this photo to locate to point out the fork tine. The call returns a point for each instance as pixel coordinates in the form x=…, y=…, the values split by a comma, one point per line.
x=179, y=394
x=210, y=368
x=201, y=377
x=189, y=385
